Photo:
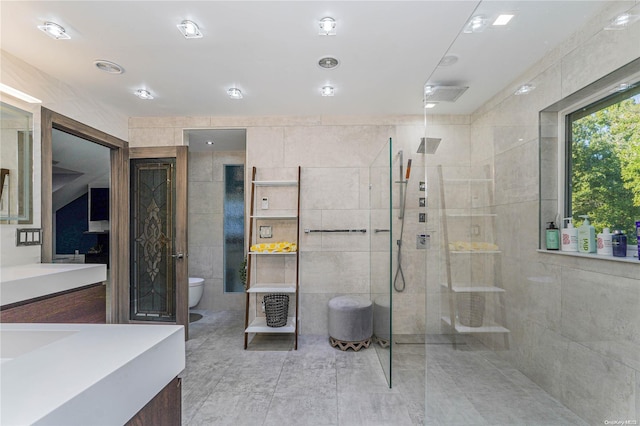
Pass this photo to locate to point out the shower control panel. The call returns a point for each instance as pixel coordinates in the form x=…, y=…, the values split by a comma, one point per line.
x=423, y=241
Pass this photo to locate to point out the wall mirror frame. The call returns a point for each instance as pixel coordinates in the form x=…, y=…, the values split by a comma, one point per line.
x=118, y=205
x=16, y=164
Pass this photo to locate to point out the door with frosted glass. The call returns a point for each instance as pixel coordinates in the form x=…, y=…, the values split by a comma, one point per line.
x=158, y=242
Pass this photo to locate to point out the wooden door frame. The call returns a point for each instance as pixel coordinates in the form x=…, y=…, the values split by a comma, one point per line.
x=118, y=206
x=181, y=154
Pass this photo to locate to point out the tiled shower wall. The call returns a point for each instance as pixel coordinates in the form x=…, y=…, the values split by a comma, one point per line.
x=206, y=218
x=575, y=322
x=335, y=154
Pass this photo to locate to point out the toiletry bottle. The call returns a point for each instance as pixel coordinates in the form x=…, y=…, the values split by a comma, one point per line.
x=586, y=237
x=638, y=235
x=604, y=243
x=553, y=237
x=619, y=243
x=569, y=236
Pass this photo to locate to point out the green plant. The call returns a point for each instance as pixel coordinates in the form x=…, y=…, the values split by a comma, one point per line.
x=243, y=272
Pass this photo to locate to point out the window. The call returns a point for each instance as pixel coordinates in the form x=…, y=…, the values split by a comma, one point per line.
x=603, y=162
x=233, y=227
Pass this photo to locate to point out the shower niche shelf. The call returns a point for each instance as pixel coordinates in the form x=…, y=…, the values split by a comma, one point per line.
x=270, y=269
x=474, y=296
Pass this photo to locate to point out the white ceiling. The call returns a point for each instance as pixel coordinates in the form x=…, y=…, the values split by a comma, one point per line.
x=269, y=49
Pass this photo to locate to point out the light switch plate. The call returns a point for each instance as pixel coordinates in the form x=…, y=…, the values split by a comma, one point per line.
x=28, y=237
x=265, y=203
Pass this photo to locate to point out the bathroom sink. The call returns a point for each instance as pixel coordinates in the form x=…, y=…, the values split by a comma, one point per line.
x=14, y=343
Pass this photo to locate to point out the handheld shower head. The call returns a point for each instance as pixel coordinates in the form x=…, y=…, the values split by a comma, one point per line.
x=408, y=169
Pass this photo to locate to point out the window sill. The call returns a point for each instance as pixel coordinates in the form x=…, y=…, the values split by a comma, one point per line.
x=627, y=259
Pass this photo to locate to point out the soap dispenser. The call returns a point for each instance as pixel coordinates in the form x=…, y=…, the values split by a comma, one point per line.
x=569, y=236
x=604, y=243
x=553, y=237
x=586, y=236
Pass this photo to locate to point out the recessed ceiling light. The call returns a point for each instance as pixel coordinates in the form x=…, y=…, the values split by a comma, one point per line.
x=475, y=25
x=54, y=30
x=448, y=60
x=189, y=29
x=502, y=20
x=328, y=63
x=209, y=142
x=622, y=21
x=108, y=66
x=524, y=89
x=327, y=26
x=144, y=94
x=235, y=93
x=429, y=105
x=327, y=91
x=18, y=94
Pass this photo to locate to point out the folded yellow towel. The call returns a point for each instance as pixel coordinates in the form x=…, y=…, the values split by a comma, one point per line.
x=279, y=247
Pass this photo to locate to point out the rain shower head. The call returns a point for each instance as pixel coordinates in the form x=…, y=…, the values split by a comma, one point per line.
x=428, y=145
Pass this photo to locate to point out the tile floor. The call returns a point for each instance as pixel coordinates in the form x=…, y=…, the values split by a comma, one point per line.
x=318, y=385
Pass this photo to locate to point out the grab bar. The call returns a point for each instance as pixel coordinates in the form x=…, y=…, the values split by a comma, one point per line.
x=363, y=231
x=380, y=230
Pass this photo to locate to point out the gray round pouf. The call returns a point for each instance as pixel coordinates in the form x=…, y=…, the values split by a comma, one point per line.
x=350, y=322
x=382, y=321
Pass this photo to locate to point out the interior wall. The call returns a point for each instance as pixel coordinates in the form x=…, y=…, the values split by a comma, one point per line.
x=335, y=154
x=573, y=321
x=206, y=232
x=63, y=99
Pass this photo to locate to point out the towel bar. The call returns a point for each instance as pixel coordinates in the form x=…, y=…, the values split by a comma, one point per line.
x=306, y=231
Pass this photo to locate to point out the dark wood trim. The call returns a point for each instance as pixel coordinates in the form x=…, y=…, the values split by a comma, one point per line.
x=165, y=409
x=182, y=242
x=83, y=305
x=119, y=205
x=155, y=151
x=46, y=167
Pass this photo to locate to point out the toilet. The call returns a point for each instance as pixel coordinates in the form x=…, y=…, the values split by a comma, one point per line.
x=196, y=288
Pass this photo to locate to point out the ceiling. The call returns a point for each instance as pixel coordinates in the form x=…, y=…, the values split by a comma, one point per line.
x=387, y=50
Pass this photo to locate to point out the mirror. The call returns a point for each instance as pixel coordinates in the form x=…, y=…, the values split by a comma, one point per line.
x=16, y=165
x=80, y=182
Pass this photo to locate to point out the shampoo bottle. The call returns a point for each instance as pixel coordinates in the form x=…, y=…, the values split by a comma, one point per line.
x=604, y=243
x=619, y=243
x=553, y=237
x=586, y=237
x=569, y=236
x=638, y=235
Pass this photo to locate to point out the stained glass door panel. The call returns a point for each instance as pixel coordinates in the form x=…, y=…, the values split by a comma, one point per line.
x=153, y=193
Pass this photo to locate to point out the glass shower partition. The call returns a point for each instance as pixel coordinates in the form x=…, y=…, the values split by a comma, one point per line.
x=381, y=252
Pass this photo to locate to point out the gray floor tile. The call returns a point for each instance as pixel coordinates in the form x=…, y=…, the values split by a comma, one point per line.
x=307, y=410
x=271, y=384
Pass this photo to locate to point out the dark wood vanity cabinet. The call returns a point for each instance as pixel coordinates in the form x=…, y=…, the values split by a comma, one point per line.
x=165, y=409
x=82, y=305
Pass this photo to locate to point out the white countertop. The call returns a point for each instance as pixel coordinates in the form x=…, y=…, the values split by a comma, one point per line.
x=84, y=374
x=24, y=282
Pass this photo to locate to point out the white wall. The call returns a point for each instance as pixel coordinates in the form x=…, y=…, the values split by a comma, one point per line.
x=63, y=99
